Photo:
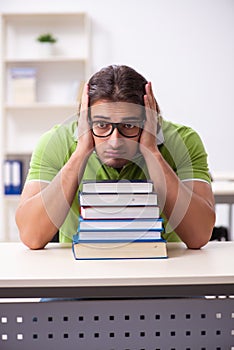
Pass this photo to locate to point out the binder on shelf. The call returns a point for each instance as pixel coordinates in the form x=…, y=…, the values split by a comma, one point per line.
x=7, y=177
x=13, y=177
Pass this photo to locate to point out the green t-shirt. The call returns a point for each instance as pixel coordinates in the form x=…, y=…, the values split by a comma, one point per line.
x=180, y=146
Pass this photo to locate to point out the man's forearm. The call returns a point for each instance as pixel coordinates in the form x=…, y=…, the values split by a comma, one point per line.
x=189, y=213
x=40, y=216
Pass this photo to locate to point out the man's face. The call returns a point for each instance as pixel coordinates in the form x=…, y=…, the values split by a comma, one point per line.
x=116, y=150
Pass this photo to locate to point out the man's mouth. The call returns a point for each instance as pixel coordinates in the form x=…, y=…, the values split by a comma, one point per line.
x=115, y=154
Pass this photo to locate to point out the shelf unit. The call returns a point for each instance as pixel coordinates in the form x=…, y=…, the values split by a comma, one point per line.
x=59, y=78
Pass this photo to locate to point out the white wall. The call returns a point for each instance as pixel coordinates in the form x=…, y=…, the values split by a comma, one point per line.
x=185, y=47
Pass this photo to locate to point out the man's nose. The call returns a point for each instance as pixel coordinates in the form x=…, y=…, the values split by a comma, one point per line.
x=116, y=139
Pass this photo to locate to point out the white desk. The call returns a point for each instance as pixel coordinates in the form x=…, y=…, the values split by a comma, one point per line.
x=223, y=191
x=53, y=272
x=121, y=311
x=223, y=176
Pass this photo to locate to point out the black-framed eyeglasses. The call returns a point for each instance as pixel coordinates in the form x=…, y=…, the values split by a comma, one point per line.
x=102, y=128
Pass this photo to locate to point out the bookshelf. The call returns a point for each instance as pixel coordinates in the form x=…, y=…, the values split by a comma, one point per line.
x=58, y=78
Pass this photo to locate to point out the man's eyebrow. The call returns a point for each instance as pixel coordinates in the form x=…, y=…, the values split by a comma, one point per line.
x=124, y=119
x=101, y=117
x=132, y=119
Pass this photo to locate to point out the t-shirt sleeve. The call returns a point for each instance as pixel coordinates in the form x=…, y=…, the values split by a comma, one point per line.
x=193, y=164
x=186, y=154
x=48, y=156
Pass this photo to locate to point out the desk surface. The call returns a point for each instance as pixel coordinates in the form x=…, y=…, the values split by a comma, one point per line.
x=55, y=267
x=225, y=188
x=223, y=175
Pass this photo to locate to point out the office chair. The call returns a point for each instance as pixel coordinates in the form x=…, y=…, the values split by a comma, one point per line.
x=55, y=239
x=220, y=233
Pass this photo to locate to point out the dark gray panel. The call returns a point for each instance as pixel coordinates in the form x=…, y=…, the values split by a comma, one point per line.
x=134, y=324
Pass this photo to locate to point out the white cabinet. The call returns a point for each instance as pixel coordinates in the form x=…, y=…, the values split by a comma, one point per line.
x=59, y=76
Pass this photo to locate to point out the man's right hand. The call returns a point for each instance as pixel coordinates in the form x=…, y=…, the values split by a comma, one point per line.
x=85, y=136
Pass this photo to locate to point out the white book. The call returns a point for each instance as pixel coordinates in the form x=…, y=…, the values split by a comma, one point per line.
x=117, y=212
x=125, y=224
x=117, y=199
x=115, y=186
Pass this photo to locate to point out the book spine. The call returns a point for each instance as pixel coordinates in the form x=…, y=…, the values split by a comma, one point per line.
x=99, y=213
x=115, y=186
x=124, y=199
x=125, y=224
x=122, y=240
x=75, y=238
x=121, y=229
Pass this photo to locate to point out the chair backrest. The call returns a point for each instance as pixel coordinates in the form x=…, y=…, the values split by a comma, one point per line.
x=220, y=233
x=55, y=238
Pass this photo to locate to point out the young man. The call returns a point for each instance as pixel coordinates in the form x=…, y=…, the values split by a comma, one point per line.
x=120, y=134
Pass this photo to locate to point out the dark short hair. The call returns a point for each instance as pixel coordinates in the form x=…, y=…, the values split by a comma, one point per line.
x=117, y=83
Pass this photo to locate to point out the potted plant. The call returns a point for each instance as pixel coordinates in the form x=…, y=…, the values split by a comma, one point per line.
x=46, y=40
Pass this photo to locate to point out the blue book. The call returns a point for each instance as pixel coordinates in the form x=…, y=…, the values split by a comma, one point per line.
x=113, y=235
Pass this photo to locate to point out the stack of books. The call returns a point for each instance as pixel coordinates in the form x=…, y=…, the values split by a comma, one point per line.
x=119, y=220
